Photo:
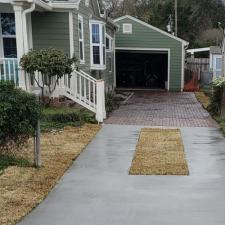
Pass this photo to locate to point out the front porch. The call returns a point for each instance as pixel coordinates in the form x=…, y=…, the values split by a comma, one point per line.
x=15, y=40
x=17, y=35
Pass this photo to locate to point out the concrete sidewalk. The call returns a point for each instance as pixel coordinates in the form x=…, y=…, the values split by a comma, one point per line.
x=97, y=189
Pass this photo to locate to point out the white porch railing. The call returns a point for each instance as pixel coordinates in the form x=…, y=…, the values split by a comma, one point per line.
x=81, y=88
x=9, y=70
x=86, y=91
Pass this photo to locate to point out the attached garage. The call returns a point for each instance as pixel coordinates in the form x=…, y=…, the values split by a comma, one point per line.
x=147, y=57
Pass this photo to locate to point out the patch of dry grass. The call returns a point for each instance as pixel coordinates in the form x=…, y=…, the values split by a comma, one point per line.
x=203, y=99
x=159, y=152
x=21, y=189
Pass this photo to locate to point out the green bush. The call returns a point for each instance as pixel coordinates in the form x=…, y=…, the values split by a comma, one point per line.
x=216, y=96
x=112, y=102
x=19, y=112
x=57, y=118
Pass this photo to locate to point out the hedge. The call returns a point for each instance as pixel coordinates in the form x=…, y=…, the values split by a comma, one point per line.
x=19, y=113
x=217, y=96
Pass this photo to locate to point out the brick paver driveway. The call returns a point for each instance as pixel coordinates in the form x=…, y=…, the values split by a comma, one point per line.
x=162, y=109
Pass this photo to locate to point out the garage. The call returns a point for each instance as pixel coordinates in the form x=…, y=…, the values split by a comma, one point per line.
x=147, y=57
x=142, y=69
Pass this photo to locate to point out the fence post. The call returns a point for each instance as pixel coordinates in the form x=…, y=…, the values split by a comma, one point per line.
x=99, y=101
x=103, y=99
x=37, y=149
x=22, y=79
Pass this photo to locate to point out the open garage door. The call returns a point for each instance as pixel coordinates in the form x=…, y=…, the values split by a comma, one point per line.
x=142, y=69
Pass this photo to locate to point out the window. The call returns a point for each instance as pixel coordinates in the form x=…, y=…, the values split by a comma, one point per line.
x=8, y=35
x=127, y=28
x=98, y=45
x=81, y=38
x=109, y=43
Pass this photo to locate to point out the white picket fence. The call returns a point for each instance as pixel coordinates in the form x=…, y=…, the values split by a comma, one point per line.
x=9, y=70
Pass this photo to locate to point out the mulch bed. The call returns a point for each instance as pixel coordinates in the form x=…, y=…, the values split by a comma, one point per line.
x=21, y=189
x=159, y=152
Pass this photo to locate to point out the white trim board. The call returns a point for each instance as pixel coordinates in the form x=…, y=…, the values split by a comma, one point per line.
x=152, y=27
x=153, y=49
x=71, y=33
x=182, y=67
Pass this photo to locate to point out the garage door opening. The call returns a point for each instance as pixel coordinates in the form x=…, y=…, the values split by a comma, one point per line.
x=142, y=70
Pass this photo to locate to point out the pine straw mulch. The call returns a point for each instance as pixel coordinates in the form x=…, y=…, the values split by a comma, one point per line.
x=159, y=152
x=203, y=99
x=21, y=189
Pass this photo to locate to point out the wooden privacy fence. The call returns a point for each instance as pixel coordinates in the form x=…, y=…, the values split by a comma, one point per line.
x=194, y=68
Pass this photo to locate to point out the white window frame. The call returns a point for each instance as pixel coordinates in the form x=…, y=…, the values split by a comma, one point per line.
x=80, y=19
x=101, y=45
x=2, y=55
x=110, y=43
x=127, y=31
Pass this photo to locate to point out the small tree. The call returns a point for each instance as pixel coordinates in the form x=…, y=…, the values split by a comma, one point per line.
x=51, y=63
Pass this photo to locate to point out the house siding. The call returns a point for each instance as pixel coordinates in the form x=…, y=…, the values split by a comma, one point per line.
x=6, y=8
x=89, y=12
x=51, y=29
x=144, y=37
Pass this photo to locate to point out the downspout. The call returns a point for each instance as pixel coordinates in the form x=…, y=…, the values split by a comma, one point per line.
x=25, y=38
x=25, y=33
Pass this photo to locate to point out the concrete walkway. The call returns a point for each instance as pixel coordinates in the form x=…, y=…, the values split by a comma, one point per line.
x=97, y=190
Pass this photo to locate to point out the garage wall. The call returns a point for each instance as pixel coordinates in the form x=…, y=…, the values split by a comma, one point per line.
x=144, y=37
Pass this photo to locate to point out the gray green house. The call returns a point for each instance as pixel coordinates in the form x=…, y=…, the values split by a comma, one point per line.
x=147, y=57
x=79, y=27
x=124, y=53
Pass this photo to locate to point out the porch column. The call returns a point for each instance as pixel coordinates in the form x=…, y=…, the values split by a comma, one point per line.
x=18, y=10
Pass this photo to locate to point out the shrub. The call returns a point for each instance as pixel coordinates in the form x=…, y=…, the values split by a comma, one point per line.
x=57, y=118
x=112, y=102
x=7, y=160
x=217, y=95
x=19, y=113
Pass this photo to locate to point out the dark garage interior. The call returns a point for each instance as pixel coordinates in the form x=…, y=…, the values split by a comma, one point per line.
x=147, y=70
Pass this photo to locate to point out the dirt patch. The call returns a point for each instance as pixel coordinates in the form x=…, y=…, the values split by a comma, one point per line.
x=21, y=189
x=159, y=152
